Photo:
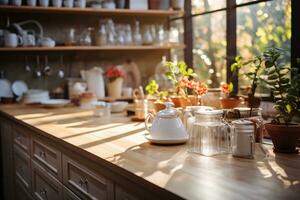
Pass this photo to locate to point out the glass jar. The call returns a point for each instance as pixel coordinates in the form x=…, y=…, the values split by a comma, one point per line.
x=210, y=133
x=243, y=142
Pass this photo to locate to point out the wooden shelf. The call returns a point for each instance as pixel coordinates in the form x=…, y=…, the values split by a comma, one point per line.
x=91, y=48
x=89, y=11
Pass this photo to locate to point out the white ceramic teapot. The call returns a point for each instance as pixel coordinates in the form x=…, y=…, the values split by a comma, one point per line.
x=167, y=127
x=95, y=81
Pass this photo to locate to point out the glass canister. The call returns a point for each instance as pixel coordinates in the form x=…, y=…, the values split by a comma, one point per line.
x=212, y=98
x=243, y=140
x=210, y=133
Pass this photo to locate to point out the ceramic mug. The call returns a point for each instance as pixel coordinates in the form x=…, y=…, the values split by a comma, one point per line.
x=57, y=3
x=31, y=2
x=80, y=3
x=68, y=3
x=28, y=40
x=44, y=3
x=16, y=2
x=12, y=40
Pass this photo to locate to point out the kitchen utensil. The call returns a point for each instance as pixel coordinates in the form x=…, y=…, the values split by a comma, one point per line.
x=243, y=139
x=55, y=103
x=44, y=3
x=5, y=86
x=56, y=3
x=27, y=66
x=47, y=69
x=61, y=73
x=210, y=133
x=33, y=96
x=31, y=2
x=38, y=72
x=166, y=127
x=118, y=106
x=95, y=81
x=12, y=40
x=19, y=88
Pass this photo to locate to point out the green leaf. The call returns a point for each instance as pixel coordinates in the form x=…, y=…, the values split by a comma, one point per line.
x=230, y=87
x=288, y=108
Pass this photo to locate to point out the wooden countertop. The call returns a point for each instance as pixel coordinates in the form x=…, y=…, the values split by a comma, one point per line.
x=187, y=175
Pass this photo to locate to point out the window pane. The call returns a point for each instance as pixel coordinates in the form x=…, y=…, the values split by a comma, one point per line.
x=210, y=47
x=199, y=6
x=262, y=25
x=243, y=1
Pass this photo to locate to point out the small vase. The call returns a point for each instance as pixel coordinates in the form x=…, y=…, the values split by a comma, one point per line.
x=115, y=88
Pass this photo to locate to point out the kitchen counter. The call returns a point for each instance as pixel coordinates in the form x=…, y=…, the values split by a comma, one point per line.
x=122, y=145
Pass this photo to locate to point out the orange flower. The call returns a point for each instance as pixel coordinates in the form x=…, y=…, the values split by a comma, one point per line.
x=201, y=89
x=225, y=88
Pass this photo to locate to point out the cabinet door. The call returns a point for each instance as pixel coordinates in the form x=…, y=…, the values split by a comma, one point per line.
x=47, y=156
x=85, y=183
x=121, y=194
x=22, y=168
x=44, y=186
x=7, y=159
x=22, y=138
x=20, y=192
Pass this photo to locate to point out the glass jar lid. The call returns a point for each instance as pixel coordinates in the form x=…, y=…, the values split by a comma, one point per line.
x=210, y=112
x=243, y=125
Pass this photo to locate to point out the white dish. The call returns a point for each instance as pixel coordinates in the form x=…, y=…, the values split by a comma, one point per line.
x=118, y=106
x=36, y=96
x=19, y=87
x=5, y=88
x=54, y=103
x=166, y=141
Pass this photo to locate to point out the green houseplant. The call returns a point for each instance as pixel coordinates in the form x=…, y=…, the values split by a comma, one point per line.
x=158, y=97
x=286, y=92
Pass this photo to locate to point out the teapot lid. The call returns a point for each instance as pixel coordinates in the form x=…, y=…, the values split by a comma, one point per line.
x=168, y=112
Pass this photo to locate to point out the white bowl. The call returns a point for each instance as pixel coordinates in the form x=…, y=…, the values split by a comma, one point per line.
x=118, y=106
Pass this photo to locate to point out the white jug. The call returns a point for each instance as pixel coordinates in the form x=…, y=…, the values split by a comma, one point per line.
x=95, y=81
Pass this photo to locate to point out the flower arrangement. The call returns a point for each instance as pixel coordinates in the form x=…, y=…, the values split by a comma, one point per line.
x=113, y=72
x=226, y=88
x=197, y=88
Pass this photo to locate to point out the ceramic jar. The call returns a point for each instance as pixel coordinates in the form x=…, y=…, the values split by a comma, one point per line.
x=114, y=88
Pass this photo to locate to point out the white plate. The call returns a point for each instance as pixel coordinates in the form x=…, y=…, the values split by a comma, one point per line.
x=163, y=141
x=5, y=88
x=19, y=87
x=53, y=103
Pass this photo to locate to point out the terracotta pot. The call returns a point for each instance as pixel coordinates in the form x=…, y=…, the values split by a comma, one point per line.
x=159, y=106
x=253, y=102
x=153, y=4
x=230, y=102
x=115, y=88
x=284, y=137
x=176, y=101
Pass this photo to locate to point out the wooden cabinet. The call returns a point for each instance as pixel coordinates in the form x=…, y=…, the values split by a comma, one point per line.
x=22, y=168
x=20, y=192
x=69, y=195
x=45, y=187
x=85, y=183
x=121, y=194
x=47, y=156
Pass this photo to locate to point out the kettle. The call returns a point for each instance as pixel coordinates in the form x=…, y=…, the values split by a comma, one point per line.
x=166, y=125
x=95, y=81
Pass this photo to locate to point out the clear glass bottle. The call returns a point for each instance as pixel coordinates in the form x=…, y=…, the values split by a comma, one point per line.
x=210, y=133
x=137, y=36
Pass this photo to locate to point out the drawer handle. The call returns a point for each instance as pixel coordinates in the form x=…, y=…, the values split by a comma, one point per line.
x=43, y=192
x=43, y=154
x=83, y=182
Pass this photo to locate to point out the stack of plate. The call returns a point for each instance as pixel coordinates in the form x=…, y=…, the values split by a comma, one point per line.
x=35, y=96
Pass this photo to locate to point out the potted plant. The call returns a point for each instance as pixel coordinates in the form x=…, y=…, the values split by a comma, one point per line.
x=183, y=81
x=286, y=90
x=229, y=99
x=155, y=96
x=254, y=74
x=115, y=75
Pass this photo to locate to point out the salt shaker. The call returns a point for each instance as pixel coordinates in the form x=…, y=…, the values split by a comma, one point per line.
x=243, y=139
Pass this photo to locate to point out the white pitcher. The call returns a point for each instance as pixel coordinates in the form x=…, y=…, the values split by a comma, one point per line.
x=95, y=81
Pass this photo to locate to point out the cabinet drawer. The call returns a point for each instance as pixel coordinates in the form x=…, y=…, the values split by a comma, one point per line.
x=22, y=168
x=121, y=194
x=20, y=192
x=44, y=185
x=84, y=183
x=22, y=139
x=48, y=157
x=69, y=195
